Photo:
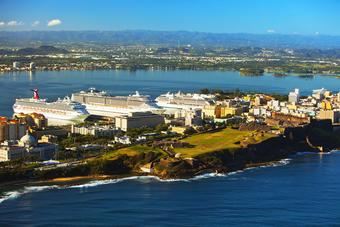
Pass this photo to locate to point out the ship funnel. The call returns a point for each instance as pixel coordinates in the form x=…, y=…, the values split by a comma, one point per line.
x=36, y=94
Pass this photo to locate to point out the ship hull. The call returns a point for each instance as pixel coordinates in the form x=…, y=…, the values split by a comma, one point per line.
x=65, y=116
x=109, y=111
x=176, y=106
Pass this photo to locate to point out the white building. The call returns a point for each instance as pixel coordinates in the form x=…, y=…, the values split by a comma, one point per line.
x=319, y=93
x=294, y=96
x=123, y=139
x=274, y=105
x=16, y=64
x=193, y=117
x=32, y=66
x=100, y=131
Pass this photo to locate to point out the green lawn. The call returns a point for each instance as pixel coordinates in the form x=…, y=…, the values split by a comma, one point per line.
x=130, y=151
x=226, y=139
x=203, y=143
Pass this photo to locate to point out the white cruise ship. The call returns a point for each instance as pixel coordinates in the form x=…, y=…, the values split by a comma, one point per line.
x=184, y=100
x=102, y=104
x=62, y=109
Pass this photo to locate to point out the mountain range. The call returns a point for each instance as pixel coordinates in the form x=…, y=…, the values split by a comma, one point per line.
x=171, y=38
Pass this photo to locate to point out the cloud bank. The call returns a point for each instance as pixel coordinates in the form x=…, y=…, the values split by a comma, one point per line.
x=12, y=23
x=53, y=22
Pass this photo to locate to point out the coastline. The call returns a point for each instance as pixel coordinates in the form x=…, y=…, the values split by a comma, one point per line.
x=29, y=186
x=97, y=180
x=272, y=73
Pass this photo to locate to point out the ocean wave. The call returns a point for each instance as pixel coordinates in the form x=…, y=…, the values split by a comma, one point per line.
x=315, y=153
x=103, y=182
x=304, y=153
x=331, y=152
x=28, y=189
x=31, y=189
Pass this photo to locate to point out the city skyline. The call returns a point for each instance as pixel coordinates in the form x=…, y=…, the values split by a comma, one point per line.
x=264, y=17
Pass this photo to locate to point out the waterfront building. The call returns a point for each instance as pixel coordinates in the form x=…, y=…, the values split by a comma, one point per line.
x=294, y=96
x=319, y=94
x=16, y=65
x=32, y=66
x=137, y=120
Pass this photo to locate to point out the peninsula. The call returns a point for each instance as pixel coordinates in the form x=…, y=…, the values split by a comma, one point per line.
x=228, y=131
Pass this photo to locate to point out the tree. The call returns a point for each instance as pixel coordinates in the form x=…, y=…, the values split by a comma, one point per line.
x=204, y=91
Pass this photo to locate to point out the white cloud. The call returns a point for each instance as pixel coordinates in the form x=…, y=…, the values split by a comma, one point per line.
x=53, y=22
x=14, y=23
x=270, y=30
x=2, y=24
x=35, y=23
x=317, y=33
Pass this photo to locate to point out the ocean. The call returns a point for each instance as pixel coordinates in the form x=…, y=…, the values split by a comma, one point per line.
x=299, y=191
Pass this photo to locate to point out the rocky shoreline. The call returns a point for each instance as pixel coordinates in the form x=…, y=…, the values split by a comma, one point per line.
x=315, y=137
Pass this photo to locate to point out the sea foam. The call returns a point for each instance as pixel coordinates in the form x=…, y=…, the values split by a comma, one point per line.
x=146, y=179
x=28, y=189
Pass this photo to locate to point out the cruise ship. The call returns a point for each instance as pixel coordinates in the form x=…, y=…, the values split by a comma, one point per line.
x=62, y=109
x=184, y=100
x=103, y=104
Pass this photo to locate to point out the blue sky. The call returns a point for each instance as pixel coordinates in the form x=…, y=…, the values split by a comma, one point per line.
x=219, y=16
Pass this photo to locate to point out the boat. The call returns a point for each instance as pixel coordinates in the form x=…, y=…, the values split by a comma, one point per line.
x=184, y=100
x=62, y=109
x=101, y=103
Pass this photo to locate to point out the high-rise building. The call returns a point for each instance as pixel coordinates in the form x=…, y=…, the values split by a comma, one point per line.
x=294, y=96
x=16, y=64
x=11, y=129
x=32, y=66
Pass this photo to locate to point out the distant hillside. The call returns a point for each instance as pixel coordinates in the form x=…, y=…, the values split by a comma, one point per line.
x=171, y=38
x=42, y=50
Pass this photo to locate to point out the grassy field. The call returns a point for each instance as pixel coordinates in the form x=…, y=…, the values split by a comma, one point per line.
x=130, y=151
x=226, y=139
x=202, y=143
